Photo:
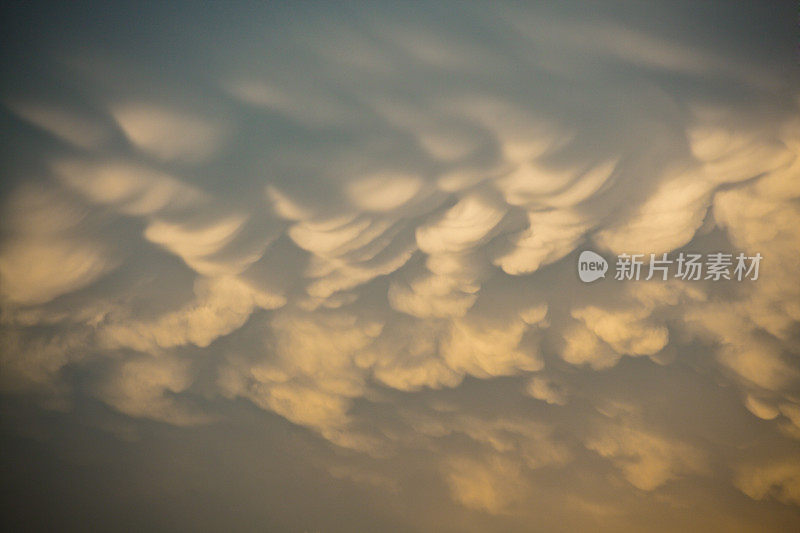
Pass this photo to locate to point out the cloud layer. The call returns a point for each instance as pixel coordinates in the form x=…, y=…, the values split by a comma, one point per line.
x=367, y=223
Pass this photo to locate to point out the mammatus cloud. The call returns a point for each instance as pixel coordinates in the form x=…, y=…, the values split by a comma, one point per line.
x=47, y=254
x=372, y=235
x=169, y=134
x=777, y=479
x=485, y=484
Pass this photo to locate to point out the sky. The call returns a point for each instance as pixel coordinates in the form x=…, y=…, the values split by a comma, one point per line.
x=314, y=266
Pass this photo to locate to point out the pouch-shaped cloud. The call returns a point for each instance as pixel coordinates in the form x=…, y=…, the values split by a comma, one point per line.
x=307, y=103
x=667, y=220
x=141, y=387
x=582, y=346
x=221, y=305
x=315, y=371
x=340, y=275
x=647, y=460
x=35, y=363
x=426, y=294
x=551, y=235
x=534, y=184
x=72, y=126
x=761, y=408
x=732, y=155
x=483, y=349
x=44, y=254
x=406, y=357
x=497, y=481
x=779, y=479
x=340, y=235
x=471, y=222
x=165, y=132
x=351, y=234
x=543, y=389
x=627, y=331
x=489, y=485
x=199, y=243
x=383, y=192
x=131, y=188
x=38, y=272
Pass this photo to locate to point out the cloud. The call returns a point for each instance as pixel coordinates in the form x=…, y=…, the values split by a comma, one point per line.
x=144, y=387
x=46, y=253
x=165, y=132
x=425, y=294
x=62, y=267
x=221, y=306
x=779, y=479
x=212, y=247
x=34, y=363
x=667, y=220
x=481, y=348
x=132, y=188
x=626, y=332
x=647, y=460
x=760, y=408
x=314, y=373
x=471, y=222
x=535, y=185
x=383, y=192
x=364, y=240
x=551, y=235
x=73, y=126
x=546, y=390
x=406, y=356
x=488, y=485
x=584, y=347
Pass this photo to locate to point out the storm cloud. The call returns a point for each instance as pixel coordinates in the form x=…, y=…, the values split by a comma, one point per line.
x=321, y=261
